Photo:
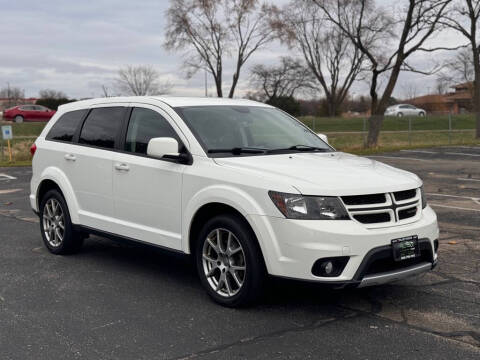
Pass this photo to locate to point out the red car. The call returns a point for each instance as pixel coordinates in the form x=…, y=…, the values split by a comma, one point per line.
x=23, y=113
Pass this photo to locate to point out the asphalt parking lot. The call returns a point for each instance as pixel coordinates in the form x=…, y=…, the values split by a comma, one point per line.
x=122, y=301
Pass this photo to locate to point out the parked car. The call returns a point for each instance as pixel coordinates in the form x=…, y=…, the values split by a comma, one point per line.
x=23, y=113
x=241, y=186
x=404, y=110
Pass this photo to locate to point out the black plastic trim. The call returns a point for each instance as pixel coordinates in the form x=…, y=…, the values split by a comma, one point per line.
x=379, y=252
x=121, y=238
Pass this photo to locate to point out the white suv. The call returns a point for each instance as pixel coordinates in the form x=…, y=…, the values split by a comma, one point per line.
x=242, y=186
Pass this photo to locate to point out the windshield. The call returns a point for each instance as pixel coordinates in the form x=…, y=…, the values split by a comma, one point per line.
x=221, y=129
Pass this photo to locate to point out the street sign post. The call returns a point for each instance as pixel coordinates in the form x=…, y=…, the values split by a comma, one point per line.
x=7, y=134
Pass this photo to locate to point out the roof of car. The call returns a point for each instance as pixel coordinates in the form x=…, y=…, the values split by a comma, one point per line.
x=173, y=101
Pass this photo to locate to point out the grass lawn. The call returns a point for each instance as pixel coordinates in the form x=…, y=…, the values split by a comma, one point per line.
x=437, y=122
x=25, y=129
x=339, y=131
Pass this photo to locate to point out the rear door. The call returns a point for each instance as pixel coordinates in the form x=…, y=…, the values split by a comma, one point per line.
x=43, y=113
x=147, y=191
x=88, y=165
x=28, y=112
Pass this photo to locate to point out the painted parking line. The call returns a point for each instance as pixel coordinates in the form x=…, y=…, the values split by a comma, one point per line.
x=9, y=191
x=453, y=207
x=474, y=199
x=420, y=151
x=462, y=154
x=397, y=157
x=7, y=177
x=466, y=179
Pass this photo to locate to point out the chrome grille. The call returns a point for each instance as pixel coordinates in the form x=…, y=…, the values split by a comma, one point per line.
x=384, y=209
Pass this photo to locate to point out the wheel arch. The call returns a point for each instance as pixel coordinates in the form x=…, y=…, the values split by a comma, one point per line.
x=214, y=201
x=210, y=210
x=53, y=178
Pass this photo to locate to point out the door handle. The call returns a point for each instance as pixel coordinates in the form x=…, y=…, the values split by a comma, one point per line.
x=122, y=167
x=70, y=157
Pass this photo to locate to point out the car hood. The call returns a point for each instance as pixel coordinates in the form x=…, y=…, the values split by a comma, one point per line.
x=324, y=173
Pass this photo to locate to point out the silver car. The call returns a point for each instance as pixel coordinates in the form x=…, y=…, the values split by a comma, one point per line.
x=404, y=110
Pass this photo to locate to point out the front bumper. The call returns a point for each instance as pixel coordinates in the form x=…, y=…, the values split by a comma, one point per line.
x=291, y=247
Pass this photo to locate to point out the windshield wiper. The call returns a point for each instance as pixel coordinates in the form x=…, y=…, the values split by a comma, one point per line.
x=301, y=148
x=238, y=150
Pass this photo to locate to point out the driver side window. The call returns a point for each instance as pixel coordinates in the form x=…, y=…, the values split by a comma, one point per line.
x=144, y=125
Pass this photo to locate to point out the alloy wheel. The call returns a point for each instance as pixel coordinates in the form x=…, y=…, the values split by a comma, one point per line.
x=223, y=260
x=53, y=222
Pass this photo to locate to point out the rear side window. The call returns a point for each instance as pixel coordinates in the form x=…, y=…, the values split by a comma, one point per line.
x=66, y=125
x=144, y=125
x=101, y=127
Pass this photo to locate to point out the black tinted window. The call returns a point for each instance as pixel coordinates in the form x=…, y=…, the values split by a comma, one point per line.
x=101, y=126
x=144, y=125
x=66, y=125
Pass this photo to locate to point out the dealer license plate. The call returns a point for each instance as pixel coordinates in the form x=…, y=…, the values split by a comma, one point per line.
x=405, y=248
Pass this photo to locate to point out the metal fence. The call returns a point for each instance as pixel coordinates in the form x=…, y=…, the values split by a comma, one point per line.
x=408, y=131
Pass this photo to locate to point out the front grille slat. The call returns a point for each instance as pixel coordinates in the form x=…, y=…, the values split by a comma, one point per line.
x=373, y=218
x=405, y=195
x=383, y=208
x=364, y=199
x=407, y=213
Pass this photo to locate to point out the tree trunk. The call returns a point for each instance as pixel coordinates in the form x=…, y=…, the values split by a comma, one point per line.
x=476, y=89
x=374, y=125
x=234, y=84
x=218, y=84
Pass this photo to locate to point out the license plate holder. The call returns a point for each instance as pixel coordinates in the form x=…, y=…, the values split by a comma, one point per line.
x=405, y=248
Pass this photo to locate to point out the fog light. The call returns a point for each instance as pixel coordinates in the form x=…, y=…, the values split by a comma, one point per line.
x=327, y=267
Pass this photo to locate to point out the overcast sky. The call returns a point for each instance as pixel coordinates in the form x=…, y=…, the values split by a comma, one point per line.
x=77, y=45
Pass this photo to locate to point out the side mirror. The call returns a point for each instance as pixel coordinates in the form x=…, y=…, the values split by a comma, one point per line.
x=159, y=147
x=323, y=137
x=166, y=148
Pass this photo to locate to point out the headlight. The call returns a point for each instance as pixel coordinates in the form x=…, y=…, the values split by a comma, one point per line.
x=294, y=206
x=424, y=199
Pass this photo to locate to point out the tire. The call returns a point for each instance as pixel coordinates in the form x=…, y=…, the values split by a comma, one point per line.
x=400, y=114
x=18, y=119
x=421, y=114
x=54, y=212
x=228, y=267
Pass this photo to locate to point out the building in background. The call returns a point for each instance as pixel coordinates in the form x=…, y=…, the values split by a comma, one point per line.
x=455, y=102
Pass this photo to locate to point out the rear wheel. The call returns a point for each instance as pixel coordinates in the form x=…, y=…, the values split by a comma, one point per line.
x=58, y=233
x=18, y=119
x=229, y=261
x=421, y=114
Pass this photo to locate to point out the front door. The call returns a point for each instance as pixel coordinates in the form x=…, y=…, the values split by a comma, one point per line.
x=147, y=191
x=88, y=165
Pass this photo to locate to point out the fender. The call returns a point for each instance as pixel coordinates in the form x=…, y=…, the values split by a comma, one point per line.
x=56, y=175
x=241, y=201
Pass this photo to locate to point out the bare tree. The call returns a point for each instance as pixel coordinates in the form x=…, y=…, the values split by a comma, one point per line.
x=51, y=94
x=459, y=68
x=387, y=40
x=105, y=91
x=140, y=80
x=14, y=94
x=281, y=80
x=327, y=51
x=442, y=85
x=212, y=30
x=410, y=90
x=464, y=18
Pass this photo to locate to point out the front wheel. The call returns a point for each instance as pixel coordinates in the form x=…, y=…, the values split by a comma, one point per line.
x=58, y=233
x=18, y=119
x=422, y=114
x=400, y=114
x=229, y=261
